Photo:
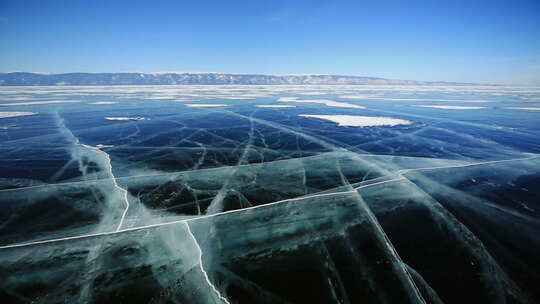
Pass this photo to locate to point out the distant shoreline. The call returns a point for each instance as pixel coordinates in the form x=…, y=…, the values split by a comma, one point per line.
x=188, y=78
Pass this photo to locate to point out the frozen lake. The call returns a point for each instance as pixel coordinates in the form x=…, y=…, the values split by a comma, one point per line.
x=270, y=194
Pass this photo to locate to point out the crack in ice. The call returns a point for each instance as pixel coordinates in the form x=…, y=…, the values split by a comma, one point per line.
x=115, y=184
x=201, y=265
x=354, y=190
x=108, y=164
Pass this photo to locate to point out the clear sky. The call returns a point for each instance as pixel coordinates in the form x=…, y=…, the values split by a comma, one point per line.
x=475, y=40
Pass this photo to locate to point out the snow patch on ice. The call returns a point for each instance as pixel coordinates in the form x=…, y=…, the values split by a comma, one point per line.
x=287, y=99
x=450, y=107
x=524, y=108
x=433, y=99
x=205, y=105
x=127, y=118
x=327, y=102
x=103, y=102
x=313, y=93
x=37, y=102
x=357, y=96
x=16, y=114
x=184, y=99
x=360, y=121
x=275, y=106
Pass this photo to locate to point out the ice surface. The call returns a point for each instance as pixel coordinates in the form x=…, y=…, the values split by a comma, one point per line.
x=166, y=203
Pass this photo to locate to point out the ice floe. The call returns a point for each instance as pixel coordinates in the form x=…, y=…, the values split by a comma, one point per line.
x=360, y=121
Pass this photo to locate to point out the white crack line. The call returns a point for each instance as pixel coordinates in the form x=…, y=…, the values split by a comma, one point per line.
x=404, y=171
x=171, y=173
x=202, y=268
x=254, y=207
x=113, y=178
x=192, y=219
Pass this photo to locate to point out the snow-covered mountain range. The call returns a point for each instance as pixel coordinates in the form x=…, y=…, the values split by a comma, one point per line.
x=171, y=78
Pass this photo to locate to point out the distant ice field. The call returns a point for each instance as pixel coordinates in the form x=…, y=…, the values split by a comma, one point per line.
x=162, y=121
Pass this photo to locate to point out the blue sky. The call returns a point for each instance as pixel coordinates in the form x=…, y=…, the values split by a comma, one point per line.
x=478, y=41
